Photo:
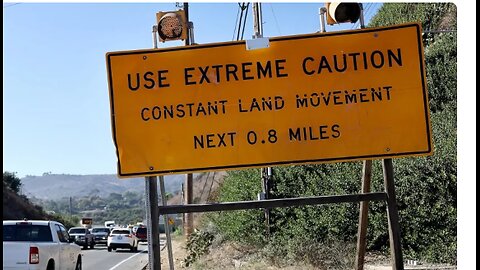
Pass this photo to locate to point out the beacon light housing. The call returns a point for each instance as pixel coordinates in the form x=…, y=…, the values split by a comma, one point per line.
x=342, y=12
x=172, y=25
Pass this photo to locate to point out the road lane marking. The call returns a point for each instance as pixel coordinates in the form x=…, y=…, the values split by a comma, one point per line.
x=118, y=264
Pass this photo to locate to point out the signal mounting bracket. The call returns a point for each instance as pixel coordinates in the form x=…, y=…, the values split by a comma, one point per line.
x=257, y=43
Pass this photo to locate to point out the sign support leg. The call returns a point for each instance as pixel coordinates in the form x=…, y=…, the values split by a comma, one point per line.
x=166, y=223
x=363, y=218
x=266, y=176
x=393, y=218
x=153, y=240
x=188, y=192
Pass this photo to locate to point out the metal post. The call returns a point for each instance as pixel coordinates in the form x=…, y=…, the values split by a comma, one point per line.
x=362, y=19
x=322, y=11
x=393, y=218
x=151, y=205
x=265, y=173
x=185, y=8
x=188, y=225
x=167, y=225
x=188, y=217
x=154, y=260
x=190, y=33
x=366, y=179
x=154, y=36
x=363, y=218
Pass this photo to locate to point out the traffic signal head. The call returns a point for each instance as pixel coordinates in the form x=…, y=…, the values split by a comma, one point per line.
x=342, y=12
x=172, y=25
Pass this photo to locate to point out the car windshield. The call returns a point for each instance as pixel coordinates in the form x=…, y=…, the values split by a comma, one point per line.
x=27, y=233
x=76, y=231
x=97, y=230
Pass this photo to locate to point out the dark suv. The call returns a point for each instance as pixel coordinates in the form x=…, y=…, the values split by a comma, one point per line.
x=101, y=235
x=82, y=237
x=141, y=234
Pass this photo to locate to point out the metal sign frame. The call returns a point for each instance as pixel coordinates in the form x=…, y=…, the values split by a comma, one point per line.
x=388, y=196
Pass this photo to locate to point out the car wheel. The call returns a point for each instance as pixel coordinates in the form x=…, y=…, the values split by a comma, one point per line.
x=51, y=265
x=79, y=263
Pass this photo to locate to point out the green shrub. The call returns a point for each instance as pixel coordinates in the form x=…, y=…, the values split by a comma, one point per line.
x=426, y=187
x=197, y=244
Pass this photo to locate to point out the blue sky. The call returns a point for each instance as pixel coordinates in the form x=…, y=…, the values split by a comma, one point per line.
x=56, y=103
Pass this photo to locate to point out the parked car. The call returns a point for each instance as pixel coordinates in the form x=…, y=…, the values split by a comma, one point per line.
x=82, y=237
x=38, y=244
x=141, y=233
x=122, y=238
x=101, y=235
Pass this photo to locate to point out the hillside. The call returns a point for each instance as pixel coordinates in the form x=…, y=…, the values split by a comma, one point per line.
x=57, y=186
x=15, y=207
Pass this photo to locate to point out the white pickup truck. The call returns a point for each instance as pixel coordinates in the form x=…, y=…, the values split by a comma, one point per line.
x=38, y=244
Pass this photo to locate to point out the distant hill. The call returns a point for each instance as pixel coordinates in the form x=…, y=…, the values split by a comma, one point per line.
x=15, y=207
x=57, y=186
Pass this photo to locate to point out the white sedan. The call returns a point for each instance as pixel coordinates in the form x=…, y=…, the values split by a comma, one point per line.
x=122, y=238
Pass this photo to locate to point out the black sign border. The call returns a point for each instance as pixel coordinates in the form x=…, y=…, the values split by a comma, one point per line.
x=417, y=26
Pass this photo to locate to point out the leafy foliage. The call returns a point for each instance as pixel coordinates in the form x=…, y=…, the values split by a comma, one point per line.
x=12, y=181
x=197, y=244
x=432, y=16
x=426, y=187
x=126, y=208
x=241, y=226
x=441, y=63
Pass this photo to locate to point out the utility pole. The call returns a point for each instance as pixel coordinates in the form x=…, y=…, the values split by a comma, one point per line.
x=188, y=217
x=70, y=207
x=266, y=173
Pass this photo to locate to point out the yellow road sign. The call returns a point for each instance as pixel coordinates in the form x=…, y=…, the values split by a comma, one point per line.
x=322, y=97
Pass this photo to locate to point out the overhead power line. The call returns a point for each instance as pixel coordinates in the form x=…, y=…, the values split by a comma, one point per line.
x=11, y=5
x=275, y=18
x=236, y=23
x=242, y=8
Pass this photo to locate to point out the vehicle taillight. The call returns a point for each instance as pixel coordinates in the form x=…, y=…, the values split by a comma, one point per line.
x=129, y=235
x=34, y=256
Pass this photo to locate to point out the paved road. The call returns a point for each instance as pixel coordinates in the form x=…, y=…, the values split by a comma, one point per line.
x=121, y=259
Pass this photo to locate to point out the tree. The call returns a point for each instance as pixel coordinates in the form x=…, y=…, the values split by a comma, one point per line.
x=12, y=181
